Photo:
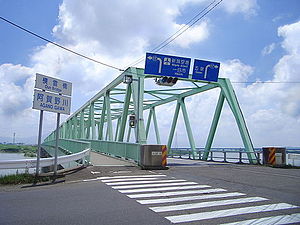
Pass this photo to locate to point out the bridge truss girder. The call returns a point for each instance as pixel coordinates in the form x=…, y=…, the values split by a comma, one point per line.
x=94, y=120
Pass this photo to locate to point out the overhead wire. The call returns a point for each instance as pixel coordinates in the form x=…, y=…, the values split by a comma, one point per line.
x=163, y=44
x=60, y=46
x=180, y=31
x=265, y=82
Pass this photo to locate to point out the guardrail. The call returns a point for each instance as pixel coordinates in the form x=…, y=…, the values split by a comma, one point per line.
x=217, y=154
x=69, y=151
x=237, y=155
x=31, y=163
x=119, y=149
x=69, y=146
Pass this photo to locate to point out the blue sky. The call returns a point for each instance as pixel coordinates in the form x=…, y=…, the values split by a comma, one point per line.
x=252, y=40
x=38, y=16
x=234, y=36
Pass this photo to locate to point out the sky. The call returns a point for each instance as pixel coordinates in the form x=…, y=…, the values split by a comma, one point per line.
x=254, y=40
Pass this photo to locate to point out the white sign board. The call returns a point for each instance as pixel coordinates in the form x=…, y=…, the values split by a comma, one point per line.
x=53, y=85
x=51, y=102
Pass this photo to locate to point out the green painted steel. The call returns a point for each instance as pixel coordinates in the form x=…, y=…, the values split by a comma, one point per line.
x=73, y=146
x=188, y=127
x=67, y=147
x=115, y=102
x=118, y=149
x=213, y=127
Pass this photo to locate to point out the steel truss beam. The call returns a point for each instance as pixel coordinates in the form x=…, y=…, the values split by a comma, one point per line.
x=117, y=100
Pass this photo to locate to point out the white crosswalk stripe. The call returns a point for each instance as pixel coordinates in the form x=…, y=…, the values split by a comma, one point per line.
x=172, y=193
x=189, y=198
x=143, y=182
x=177, y=196
x=206, y=204
x=128, y=179
x=163, y=189
x=272, y=220
x=228, y=212
x=132, y=176
x=153, y=185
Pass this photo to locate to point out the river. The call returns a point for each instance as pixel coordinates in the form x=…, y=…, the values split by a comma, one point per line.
x=13, y=156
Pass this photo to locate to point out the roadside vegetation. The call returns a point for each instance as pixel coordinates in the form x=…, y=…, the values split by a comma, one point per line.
x=27, y=150
x=24, y=178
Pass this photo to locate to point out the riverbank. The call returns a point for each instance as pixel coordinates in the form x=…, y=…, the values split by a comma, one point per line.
x=27, y=150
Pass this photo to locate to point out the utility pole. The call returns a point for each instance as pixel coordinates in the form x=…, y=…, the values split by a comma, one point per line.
x=14, y=138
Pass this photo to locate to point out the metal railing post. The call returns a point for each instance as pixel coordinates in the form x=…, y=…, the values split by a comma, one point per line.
x=240, y=157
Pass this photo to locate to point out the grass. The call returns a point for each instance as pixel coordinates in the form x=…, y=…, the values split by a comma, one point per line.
x=28, y=150
x=24, y=178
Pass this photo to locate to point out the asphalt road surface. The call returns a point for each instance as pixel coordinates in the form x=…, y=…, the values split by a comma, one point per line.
x=187, y=193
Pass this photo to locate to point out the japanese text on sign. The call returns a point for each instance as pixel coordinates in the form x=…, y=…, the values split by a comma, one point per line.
x=53, y=85
x=51, y=102
x=166, y=65
x=206, y=70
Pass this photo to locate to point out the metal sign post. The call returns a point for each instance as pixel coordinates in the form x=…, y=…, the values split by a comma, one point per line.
x=46, y=99
x=138, y=111
x=56, y=144
x=38, y=155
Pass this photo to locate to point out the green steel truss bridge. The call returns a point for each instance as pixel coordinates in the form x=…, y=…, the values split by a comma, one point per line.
x=103, y=120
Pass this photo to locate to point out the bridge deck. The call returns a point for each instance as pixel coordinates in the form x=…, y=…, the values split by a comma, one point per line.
x=98, y=159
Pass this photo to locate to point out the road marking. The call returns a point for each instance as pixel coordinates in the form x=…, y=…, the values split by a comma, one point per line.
x=163, y=189
x=148, y=195
x=273, y=220
x=87, y=180
x=133, y=176
x=206, y=204
x=143, y=182
x=129, y=179
x=189, y=198
x=228, y=212
x=153, y=185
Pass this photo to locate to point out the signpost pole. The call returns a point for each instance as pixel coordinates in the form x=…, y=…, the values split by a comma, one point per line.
x=56, y=144
x=38, y=155
x=138, y=111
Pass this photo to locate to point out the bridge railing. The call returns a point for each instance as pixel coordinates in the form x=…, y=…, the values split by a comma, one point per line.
x=237, y=155
x=118, y=149
x=44, y=162
x=68, y=147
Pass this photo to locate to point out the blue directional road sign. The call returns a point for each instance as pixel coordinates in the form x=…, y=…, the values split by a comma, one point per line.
x=166, y=65
x=206, y=70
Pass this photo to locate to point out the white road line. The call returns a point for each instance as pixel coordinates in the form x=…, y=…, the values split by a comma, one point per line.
x=273, y=220
x=90, y=180
x=148, y=195
x=206, y=204
x=133, y=176
x=143, y=182
x=189, y=198
x=153, y=185
x=228, y=212
x=130, y=179
x=163, y=189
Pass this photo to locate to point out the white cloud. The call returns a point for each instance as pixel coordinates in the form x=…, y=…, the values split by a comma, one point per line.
x=268, y=49
x=119, y=32
x=14, y=88
x=247, y=7
x=194, y=34
x=290, y=33
x=235, y=70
